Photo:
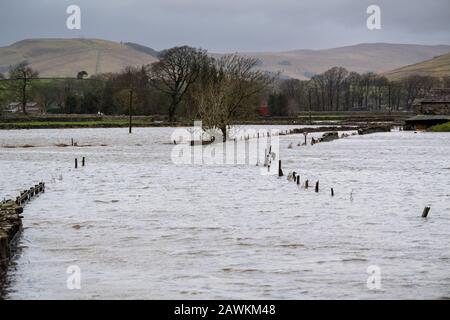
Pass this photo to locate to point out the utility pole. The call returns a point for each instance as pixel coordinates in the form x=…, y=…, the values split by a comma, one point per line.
x=130, y=109
x=309, y=99
x=389, y=97
x=24, y=93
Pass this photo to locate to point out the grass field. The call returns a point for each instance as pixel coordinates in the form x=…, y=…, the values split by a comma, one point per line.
x=72, y=124
x=445, y=127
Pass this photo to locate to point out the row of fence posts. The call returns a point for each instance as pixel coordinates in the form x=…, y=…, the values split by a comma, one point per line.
x=11, y=221
x=83, y=162
x=27, y=195
x=296, y=179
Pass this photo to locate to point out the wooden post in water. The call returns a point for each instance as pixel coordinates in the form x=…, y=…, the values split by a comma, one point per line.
x=298, y=180
x=294, y=175
x=306, y=184
x=280, y=171
x=317, y=186
x=83, y=162
x=332, y=192
x=76, y=163
x=72, y=142
x=425, y=212
x=4, y=249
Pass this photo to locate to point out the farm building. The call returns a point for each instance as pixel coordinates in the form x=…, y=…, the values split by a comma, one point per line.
x=432, y=110
x=16, y=107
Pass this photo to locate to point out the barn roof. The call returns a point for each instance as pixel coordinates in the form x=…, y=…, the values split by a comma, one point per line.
x=426, y=117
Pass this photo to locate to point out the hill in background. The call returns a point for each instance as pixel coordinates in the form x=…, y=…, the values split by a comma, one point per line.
x=66, y=57
x=376, y=57
x=437, y=67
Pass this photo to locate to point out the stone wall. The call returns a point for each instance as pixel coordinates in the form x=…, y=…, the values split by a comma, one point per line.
x=435, y=108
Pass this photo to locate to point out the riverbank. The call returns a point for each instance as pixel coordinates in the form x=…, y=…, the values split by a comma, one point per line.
x=100, y=121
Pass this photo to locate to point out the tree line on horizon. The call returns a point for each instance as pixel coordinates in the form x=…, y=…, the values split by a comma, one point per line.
x=337, y=89
x=187, y=83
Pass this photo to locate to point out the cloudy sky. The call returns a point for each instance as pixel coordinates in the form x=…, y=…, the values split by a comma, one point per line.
x=230, y=25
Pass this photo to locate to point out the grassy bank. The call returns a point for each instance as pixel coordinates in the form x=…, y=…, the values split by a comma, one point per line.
x=441, y=128
x=94, y=121
x=70, y=124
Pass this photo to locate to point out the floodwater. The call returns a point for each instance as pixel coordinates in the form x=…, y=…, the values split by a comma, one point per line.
x=139, y=226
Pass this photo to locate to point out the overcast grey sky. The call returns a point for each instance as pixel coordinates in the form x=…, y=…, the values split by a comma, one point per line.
x=230, y=25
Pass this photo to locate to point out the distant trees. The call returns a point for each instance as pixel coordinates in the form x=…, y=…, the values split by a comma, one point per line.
x=175, y=72
x=23, y=73
x=446, y=82
x=417, y=86
x=339, y=90
x=43, y=95
x=278, y=104
x=187, y=82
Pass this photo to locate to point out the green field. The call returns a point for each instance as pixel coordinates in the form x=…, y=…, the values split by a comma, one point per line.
x=72, y=124
x=445, y=127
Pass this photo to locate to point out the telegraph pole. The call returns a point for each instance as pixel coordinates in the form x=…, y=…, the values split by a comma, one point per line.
x=309, y=100
x=24, y=92
x=130, y=110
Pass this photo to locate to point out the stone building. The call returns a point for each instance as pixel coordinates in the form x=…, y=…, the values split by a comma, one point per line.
x=432, y=110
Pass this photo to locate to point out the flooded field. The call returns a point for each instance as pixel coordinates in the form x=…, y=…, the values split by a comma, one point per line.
x=139, y=226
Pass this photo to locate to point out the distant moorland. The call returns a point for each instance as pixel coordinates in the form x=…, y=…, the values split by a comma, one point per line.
x=65, y=57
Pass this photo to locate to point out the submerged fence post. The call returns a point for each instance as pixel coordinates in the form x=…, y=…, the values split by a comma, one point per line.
x=332, y=192
x=76, y=163
x=317, y=186
x=280, y=172
x=425, y=212
x=298, y=180
x=306, y=184
x=83, y=162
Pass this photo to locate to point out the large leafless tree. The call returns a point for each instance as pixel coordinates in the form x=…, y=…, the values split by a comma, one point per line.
x=23, y=74
x=230, y=92
x=175, y=72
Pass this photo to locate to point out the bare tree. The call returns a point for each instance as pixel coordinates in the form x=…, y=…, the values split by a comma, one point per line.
x=319, y=88
x=175, y=72
x=24, y=74
x=230, y=92
x=294, y=90
x=45, y=96
x=417, y=86
x=446, y=82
